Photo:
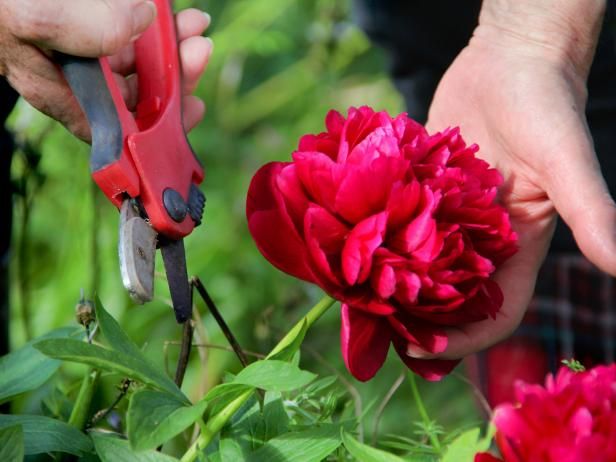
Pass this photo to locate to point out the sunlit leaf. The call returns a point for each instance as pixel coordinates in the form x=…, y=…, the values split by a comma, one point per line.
x=304, y=446
x=469, y=443
x=366, y=453
x=273, y=375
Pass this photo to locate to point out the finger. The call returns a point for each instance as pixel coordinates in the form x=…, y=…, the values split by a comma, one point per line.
x=195, y=53
x=129, y=88
x=191, y=22
x=97, y=28
x=41, y=84
x=123, y=62
x=580, y=195
x=193, y=110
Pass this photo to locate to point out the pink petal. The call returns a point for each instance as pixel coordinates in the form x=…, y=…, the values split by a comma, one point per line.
x=272, y=228
x=416, y=332
x=364, y=341
x=420, y=228
x=407, y=288
x=383, y=281
x=359, y=248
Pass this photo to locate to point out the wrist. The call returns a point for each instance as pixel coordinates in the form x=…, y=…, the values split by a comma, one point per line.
x=563, y=31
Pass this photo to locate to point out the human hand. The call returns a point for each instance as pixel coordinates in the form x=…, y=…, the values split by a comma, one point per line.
x=519, y=91
x=31, y=29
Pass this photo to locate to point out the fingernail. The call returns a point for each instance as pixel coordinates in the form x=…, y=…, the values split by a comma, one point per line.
x=143, y=15
x=211, y=42
x=208, y=18
x=416, y=352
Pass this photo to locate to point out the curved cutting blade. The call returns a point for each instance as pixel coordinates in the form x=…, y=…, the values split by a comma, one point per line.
x=137, y=251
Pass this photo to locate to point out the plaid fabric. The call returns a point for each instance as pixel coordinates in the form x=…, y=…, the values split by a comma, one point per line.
x=571, y=316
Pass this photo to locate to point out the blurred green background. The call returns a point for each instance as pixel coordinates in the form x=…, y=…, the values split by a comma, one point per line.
x=277, y=68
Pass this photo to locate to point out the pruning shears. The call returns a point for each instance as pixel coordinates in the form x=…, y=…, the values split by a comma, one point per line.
x=142, y=161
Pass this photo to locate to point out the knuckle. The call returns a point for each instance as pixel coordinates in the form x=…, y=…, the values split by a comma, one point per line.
x=30, y=23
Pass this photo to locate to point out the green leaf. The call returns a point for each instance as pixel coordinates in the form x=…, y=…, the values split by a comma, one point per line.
x=465, y=446
x=113, y=333
x=311, y=445
x=285, y=352
x=366, y=453
x=221, y=395
x=27, y=369
x=155, y=417
x=274, y=375
x=42, y=434
x=112, y=449
x=12, y=444
x=115, y=361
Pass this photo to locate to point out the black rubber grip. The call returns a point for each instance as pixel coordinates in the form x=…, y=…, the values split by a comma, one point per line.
x=86, y=79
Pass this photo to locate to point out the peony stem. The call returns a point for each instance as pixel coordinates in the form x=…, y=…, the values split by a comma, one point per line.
x=211, y=428
x=422, y=412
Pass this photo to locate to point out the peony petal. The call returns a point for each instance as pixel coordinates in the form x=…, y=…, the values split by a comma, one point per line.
x=364, y=341
x=432, y=370
x=486, y=457
x=272, y=228
x=319, y=175
x=418, y=333
x=359, y=248
x=420, y=229
x=364, y=189
x=407, y=288
x=293, y=193
x=383, y=281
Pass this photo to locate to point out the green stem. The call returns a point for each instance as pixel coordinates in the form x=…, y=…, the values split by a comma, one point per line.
x=422, y=412
x=216, y=422
x=79, y=414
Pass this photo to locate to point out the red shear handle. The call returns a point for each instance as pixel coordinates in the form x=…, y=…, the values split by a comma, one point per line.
x=145, y=155
x=167, y=166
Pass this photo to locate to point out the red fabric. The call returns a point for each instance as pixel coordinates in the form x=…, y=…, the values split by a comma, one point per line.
x=401, y=226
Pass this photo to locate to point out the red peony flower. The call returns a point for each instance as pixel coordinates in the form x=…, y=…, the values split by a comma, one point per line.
x=400, y=226
x=571, y=419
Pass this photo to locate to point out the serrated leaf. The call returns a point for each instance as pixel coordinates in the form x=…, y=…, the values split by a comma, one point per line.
x=12, y=444
x=291, y=346
x=109, y=360
x=274, y=375
x=311, y=445
x=155, y=417
x=366, y=453
x=112, y=449
x=465, y=446
x=27, y=369
x=42, y=434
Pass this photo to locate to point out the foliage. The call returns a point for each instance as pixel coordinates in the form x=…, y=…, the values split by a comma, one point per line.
x=277, y=68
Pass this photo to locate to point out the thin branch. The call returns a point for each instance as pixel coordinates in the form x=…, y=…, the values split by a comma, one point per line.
x=197, y=284
x=477, y=392
x=384, y=403
x=100, y=415
x=187, y=335
x=214, y=346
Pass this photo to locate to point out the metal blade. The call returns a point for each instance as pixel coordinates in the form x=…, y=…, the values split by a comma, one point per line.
x=137, y=251
x=174, y=258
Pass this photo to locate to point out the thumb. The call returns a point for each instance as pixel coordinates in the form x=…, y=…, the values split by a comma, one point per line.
x=581, y=197
x=88, y=28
